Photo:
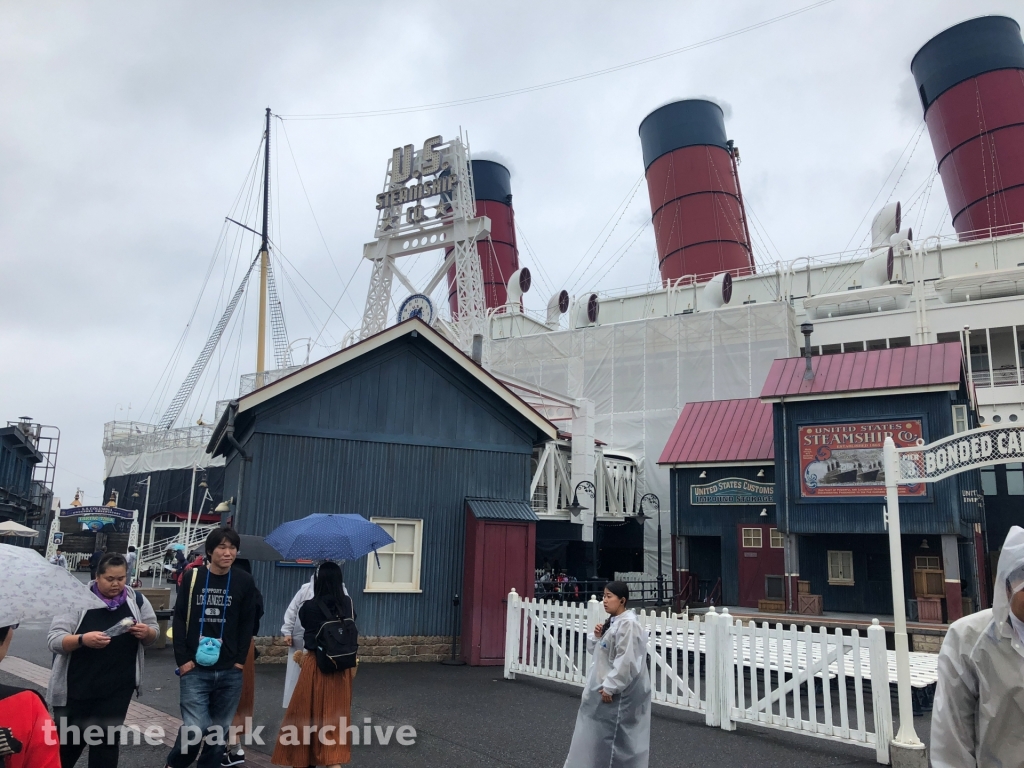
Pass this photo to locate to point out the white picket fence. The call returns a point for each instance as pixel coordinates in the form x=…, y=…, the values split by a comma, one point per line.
x=800, y=681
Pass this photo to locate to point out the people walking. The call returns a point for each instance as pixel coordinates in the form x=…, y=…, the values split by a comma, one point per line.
x=24, y=723
x=978, y=712
x=214, y=615
x=613, y=727
x=94, y=561
x=235, y=755
x=99, y=661
x=58, y=558
x=293, y=632
x=131, y=556
x=321, y=698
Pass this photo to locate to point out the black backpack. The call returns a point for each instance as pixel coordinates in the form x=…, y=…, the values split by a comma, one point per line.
x=337, y=642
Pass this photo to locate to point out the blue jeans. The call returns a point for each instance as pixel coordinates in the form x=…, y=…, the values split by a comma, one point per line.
x=208, y=698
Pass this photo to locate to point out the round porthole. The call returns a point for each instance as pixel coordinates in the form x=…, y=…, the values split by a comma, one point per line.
x=1013, y=417
x=981, y=419
x=997, y=418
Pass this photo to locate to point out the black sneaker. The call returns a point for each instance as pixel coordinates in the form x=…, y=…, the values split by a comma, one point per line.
x=230, y=759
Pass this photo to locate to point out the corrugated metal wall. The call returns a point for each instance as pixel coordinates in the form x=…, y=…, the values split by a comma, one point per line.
x=399, y=432
x=939, y=512
x=719, y=520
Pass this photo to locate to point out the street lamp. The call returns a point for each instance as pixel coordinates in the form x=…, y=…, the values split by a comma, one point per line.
x=576, y=508
x=642, y=518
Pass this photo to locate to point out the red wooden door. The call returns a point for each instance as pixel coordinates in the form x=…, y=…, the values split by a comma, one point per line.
x=505, y=560
x=757, y=559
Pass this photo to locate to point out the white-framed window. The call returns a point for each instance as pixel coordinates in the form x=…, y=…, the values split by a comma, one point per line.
x=752, y=538
x=927, y=562
x=399, y=569
x=776, y=539
x=959, y=418
x=840, y=567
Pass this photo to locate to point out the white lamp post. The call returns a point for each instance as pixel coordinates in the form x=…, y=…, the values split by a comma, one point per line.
x=907, y=736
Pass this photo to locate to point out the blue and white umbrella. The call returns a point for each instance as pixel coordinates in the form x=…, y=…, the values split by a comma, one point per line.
x=328, y=537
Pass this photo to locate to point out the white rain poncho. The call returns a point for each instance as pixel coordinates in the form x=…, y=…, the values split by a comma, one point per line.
x=978, y=716
x=616, y=735
x=292, y=627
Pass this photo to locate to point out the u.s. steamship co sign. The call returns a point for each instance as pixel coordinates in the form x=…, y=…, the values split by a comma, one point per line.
x=968, y=450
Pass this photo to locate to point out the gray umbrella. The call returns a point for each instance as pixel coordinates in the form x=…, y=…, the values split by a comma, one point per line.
x=32, y=588
x=255, y=548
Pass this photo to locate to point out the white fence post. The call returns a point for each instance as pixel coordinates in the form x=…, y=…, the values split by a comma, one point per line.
x=712, y=688
x=881, y=704
x=726, y=669
x=513, y=620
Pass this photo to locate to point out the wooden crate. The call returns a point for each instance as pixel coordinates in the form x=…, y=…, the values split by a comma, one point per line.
x=929, y=610
x=803, y=587
x=810, y=605
x=771, y=606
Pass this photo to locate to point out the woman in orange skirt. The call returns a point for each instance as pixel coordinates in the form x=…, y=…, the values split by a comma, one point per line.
x=235, y=755
x=320, y=700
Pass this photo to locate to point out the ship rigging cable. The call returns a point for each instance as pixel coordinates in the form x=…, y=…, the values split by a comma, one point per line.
x=562, y=81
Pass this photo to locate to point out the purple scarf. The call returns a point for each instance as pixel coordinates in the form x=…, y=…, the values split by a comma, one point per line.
x=112, y=603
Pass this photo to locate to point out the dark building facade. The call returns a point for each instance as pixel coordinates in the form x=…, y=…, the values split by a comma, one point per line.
x=18, y=459
x=403, y=429
x=823, y=543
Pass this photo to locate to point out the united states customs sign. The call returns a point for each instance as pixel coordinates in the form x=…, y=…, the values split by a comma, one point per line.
x=733, y=490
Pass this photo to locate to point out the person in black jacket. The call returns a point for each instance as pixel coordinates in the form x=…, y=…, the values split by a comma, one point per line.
x=214, y=617
x=319, y=699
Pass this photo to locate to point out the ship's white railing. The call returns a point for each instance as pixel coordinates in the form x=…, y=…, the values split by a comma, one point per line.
x=152, y=555
x=731, y=672
x=128, y=438
x=615, y=479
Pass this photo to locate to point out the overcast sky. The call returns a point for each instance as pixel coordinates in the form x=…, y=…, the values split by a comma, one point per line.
x=128, y=130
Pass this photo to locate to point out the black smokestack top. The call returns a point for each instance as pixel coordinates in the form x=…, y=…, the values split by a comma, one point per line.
x=689, y=123
x=966, y=50
x=492, y=181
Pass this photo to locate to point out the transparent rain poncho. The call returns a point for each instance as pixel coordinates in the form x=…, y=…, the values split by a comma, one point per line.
x=978, y=716
x=616, y=735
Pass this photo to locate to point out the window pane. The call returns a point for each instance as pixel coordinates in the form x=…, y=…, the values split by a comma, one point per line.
x=405, y=538
x=382, y=575
x=776, y=539
x=988, y=481
x=1014, y=480
x=403, y=569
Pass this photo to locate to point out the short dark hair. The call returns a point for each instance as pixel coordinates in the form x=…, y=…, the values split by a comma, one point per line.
x=219, y=535
x=110, y=560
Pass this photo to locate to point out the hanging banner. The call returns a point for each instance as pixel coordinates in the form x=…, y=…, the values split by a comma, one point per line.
x=80, y=512
x=733, y=490
x=845, y=460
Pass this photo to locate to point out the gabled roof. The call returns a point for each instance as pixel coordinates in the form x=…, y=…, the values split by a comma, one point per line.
x=412, y=327
x=925, y=368
x=722, y=431
x=499, y=509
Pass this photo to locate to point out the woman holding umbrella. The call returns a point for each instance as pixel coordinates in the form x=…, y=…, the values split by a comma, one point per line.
x=320, y=698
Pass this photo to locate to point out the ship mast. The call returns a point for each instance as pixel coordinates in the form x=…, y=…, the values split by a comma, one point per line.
x=261, y=337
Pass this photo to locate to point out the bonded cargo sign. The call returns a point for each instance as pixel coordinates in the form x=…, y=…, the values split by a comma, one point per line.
x=733, y=490
x=980, y=447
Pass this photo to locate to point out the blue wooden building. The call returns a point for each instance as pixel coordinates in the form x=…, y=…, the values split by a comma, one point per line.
x=824, y=536
x=406, y=430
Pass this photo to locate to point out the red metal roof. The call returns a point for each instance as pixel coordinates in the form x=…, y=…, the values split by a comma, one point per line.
x=721, y=431
x=928, y=365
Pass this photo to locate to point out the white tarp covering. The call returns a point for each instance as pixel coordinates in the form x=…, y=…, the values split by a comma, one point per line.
x=641, y=373
x=154, y=461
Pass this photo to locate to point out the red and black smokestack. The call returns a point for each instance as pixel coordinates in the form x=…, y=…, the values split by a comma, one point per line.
x=970, y=79
x=700, y=226
x=499, y=256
